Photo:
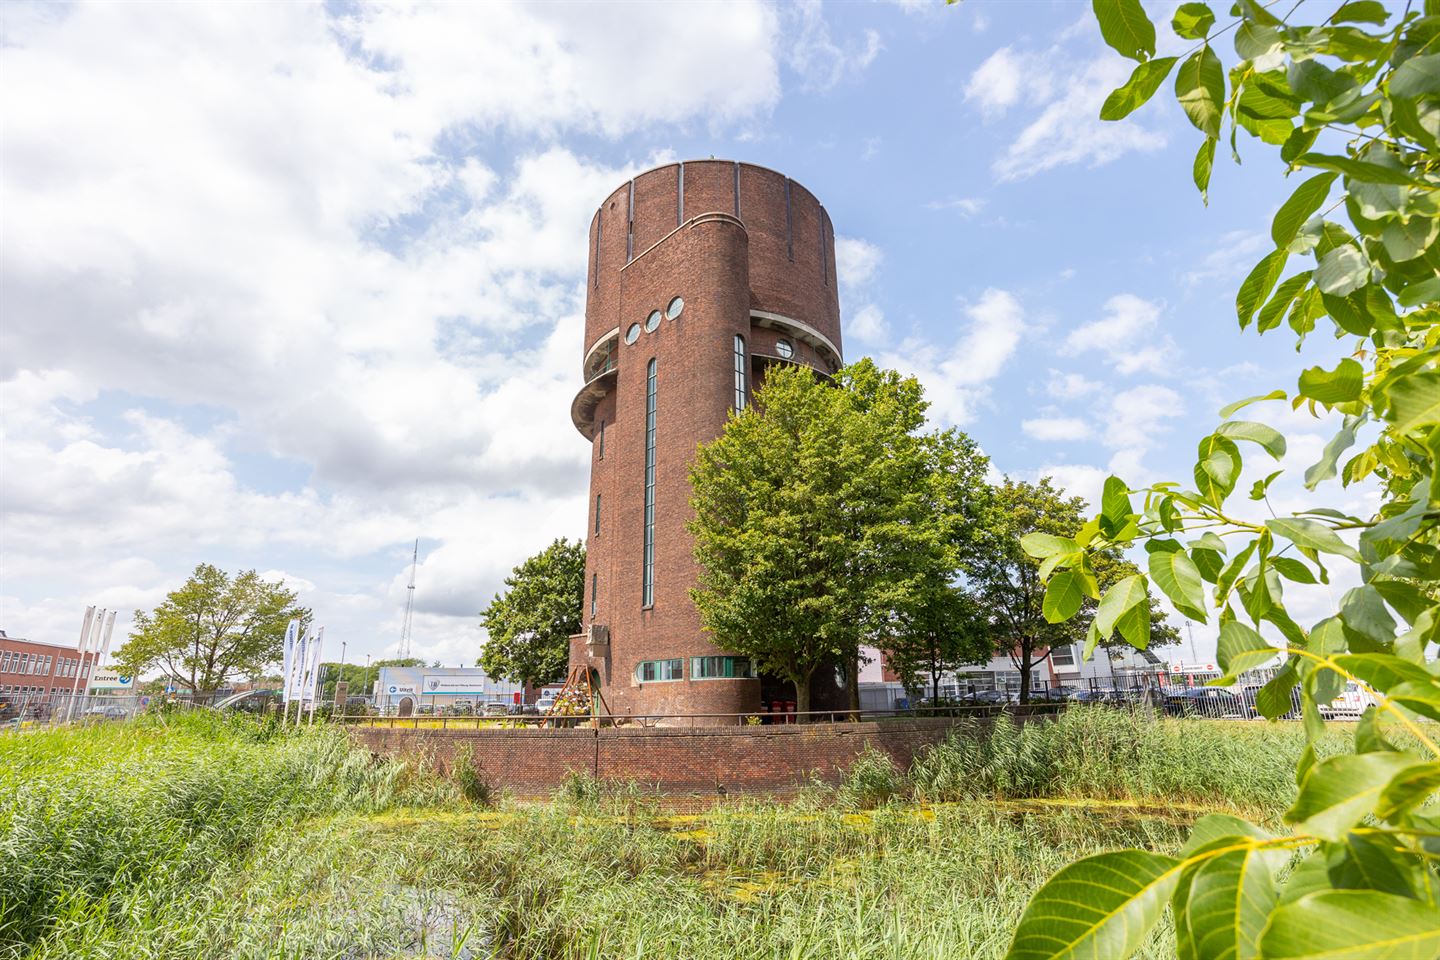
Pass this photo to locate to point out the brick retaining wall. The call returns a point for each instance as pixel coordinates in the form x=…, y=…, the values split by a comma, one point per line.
x=706, y=760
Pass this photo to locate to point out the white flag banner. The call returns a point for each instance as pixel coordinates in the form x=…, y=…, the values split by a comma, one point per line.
x=297, y=667
x=85, y=628
x=312, y=681
x=292, y=634
x=109, y=629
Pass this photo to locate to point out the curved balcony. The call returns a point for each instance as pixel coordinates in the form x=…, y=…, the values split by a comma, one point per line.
x=582, y=408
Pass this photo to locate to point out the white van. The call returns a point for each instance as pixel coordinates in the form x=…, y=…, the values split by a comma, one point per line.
x=1349, y=705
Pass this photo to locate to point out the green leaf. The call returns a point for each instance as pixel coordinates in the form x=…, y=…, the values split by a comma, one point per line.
x=1292, y=569
x=1342, y=271
x=1333, y=386
x=1361, y=11
x=1306, y=199
x=1200, y=88
x=1240, y=648
x=1267, y=437
x=1178, y=577
x=1041, y=545
x=1203, y=166
x=1258, y=284
x=1218, y=468
x=1337, y=793
x=1101, y=907
x=1220, y=826
x=1115, y=507
x=1417, y=293
x=1407, y=240
x=1356, y=169
x=1324, y=468
x=1134, y=625
x=1231, y=408
x=1312, y=534
x=1417, y=77
x=1422, y=696
x=1351, y=924
x=1274, y=310
x=1381, y=671
x=1374, y=862
x=1193, y=21
x=1363, y=610
x=1414, y=401
x=1408, y=789
x=1141, y=86
x=1231, y=898
x=1119, y=600
x=1125, y=28
x=1063, y=595
x=1274, y=699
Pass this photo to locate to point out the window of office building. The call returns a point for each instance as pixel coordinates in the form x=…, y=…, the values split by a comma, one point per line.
x=739, y=372
x=653, y=671
x=717, y=668
x=647, y=574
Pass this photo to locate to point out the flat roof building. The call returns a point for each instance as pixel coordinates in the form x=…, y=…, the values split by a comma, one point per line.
x=34, y=668
x=701, y=275
x=438, y=687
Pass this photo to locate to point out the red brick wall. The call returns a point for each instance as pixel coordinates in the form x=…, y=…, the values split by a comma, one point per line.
x=707, y=760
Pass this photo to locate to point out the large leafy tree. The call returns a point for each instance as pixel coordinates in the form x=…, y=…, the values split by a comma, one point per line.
x=531, y=621
x=822, y=510
x=213, y=628
x=937, y=632
x=1350, y=94
x=1023, y=620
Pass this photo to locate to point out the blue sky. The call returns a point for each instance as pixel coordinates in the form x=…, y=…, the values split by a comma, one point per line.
x=287, y=286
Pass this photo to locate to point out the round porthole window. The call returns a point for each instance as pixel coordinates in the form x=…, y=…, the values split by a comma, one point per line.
x=675, y=307
x=633, y=333
x=652, y=321
x=784, y=348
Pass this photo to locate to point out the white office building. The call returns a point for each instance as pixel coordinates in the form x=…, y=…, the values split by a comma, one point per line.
x=439, y=687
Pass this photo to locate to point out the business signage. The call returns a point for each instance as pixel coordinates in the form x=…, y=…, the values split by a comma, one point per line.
x=450, y=684
x=111, y=680
x=400, y=689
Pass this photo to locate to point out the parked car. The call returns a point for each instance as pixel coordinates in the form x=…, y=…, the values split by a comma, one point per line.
x=1250, y=691
x=463, y=708
x=111, y=712
x=496, y=709
x=522, y=709
x=544, y=705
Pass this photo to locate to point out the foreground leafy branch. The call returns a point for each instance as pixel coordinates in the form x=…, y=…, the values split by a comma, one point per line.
x=1353, y=104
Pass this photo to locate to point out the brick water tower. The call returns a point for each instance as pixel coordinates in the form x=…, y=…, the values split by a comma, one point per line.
x=701, y=275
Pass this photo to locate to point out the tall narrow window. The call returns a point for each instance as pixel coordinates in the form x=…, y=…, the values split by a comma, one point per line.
x=594, y=591
x=647, y=575
x=601, y=435
x=739, y=373
x=597, y=514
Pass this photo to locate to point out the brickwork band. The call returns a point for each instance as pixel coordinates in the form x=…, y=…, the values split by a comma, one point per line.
x=702, y=274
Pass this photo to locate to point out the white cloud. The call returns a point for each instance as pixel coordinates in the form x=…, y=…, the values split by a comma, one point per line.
x=262, y=308
x=1128, y=336
x=1056, y=429
x=1233, y=256
x=821, y=62
x=967, y=207
x=956, y=377
x=856, y=261
x=867, y=325
x=1138, y=414
x=1004, y=79
x=1070, y=386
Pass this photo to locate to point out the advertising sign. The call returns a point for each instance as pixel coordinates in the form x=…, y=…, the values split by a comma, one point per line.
x=400, y=689
x=110, y=680
x=449, y=684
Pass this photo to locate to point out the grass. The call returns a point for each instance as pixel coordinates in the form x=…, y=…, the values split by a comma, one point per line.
x=218, y=838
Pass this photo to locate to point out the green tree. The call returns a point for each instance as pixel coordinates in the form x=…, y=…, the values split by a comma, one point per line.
x=939, y=631
x=820, y=511
x=1366, y=214
x=1024, y=621
x=358, y=675
x=211, y=629
x=530, y=623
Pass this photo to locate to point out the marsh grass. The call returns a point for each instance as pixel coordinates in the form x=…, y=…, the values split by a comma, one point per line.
x=218, y=839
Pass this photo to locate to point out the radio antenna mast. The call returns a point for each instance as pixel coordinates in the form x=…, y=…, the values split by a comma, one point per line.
x=409, y=603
